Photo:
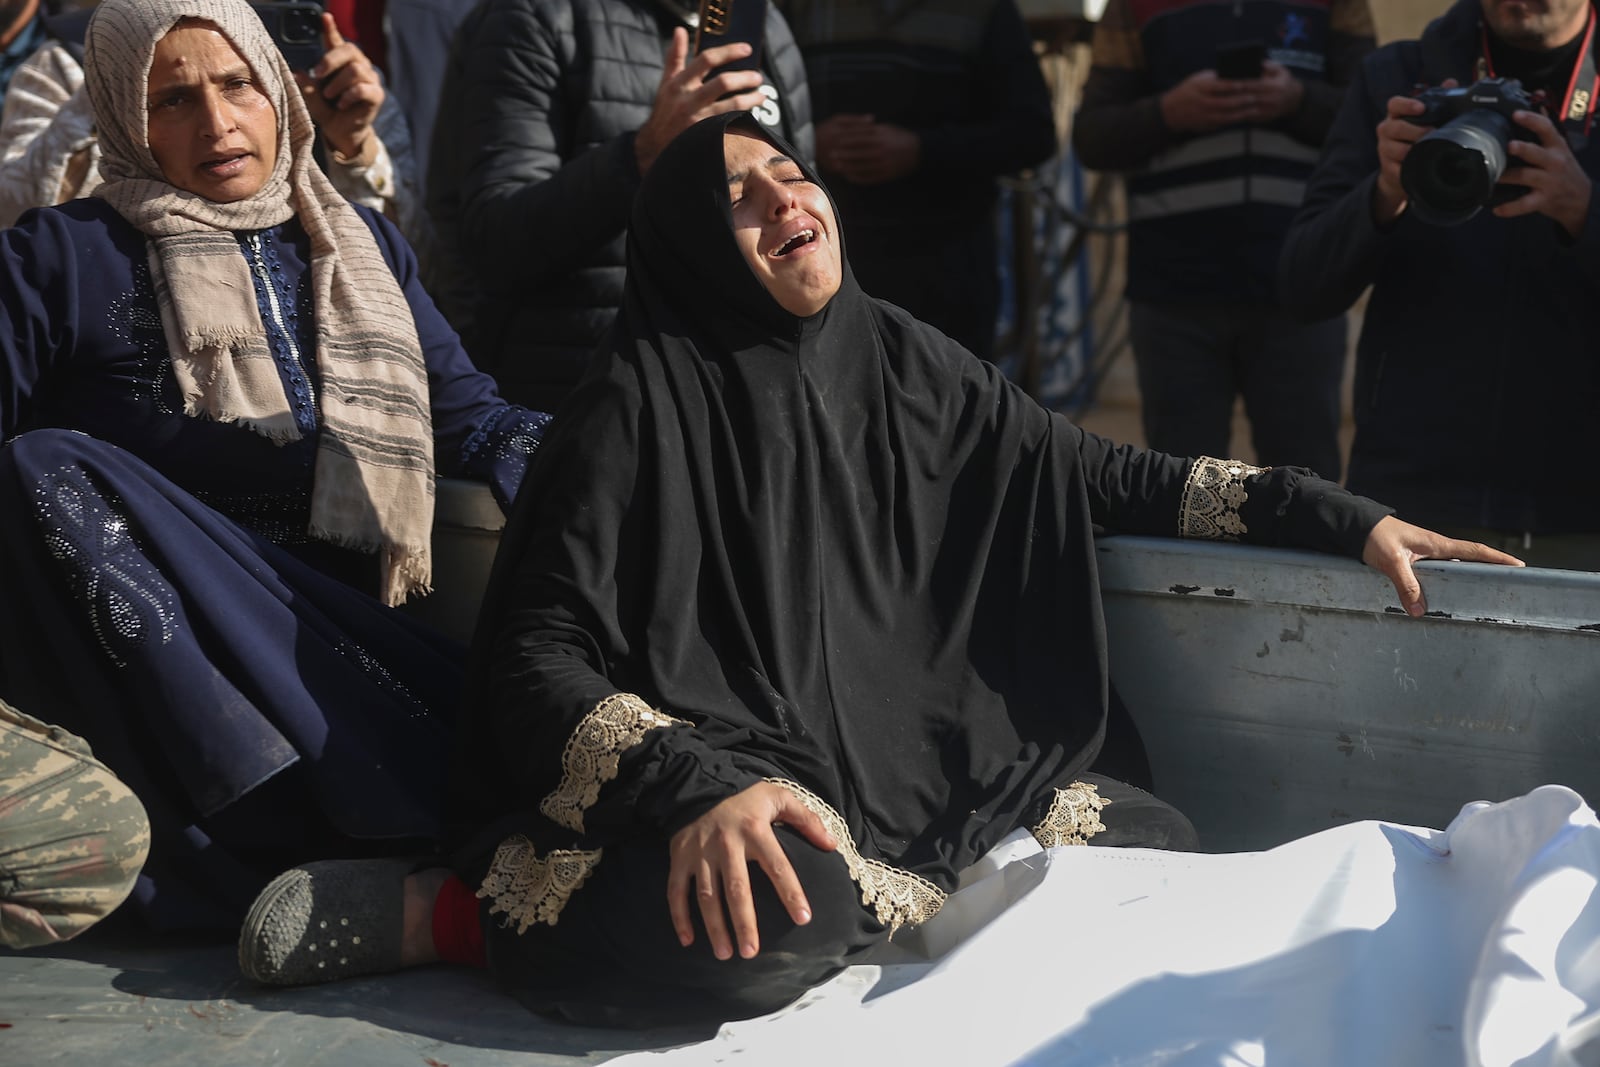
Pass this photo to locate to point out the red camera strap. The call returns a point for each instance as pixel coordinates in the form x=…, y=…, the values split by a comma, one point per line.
x=1578, y=105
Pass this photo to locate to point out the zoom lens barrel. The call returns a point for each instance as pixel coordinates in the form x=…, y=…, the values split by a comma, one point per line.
x=1450, y=174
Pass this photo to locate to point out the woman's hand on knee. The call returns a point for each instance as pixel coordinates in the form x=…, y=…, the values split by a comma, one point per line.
x=714, y=853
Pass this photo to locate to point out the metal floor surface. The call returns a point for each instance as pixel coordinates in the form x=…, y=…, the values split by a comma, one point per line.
x=121, y=1000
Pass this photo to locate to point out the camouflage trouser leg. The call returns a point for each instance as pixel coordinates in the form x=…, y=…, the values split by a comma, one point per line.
x=72, y=836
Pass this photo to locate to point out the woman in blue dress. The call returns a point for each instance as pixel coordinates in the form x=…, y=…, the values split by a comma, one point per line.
x=225, y=397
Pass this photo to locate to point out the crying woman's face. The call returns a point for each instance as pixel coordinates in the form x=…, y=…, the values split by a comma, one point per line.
x=783, y=223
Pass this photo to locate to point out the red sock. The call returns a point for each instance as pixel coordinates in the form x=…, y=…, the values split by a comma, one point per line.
x=457, y=933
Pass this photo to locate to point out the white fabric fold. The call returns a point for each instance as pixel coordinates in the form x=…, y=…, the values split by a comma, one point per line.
x=1371, y=944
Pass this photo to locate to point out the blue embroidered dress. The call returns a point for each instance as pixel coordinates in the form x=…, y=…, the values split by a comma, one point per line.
x=158, y=591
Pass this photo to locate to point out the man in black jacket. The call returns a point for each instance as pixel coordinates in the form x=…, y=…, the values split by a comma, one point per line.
x=1477, y=382
x=550, y=115
x=920, y=106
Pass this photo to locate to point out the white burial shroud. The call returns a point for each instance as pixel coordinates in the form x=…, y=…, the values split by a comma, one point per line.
x=1370, y=944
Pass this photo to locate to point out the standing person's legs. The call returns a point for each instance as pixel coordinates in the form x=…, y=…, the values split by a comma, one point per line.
x=1290, y=374
x=1184, y=356
x=72, y=836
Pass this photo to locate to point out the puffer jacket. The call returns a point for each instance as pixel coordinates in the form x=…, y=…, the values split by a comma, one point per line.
x=532, y=174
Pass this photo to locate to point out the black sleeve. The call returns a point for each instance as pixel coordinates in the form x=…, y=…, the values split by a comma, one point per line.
x=592, y=757
x=1334, y=247
x=1140, y=491
x=1292, y=507
x=530, y=210
x=1320, y=105
x=1119, y=124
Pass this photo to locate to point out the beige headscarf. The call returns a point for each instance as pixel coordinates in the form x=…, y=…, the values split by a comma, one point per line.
x=373, y=486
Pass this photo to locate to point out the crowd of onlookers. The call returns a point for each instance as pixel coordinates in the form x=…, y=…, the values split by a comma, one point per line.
x=505, y=143
x=400, y=262
x=506, y=139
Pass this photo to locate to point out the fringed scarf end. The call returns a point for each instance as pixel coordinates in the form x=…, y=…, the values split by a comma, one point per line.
x=406, y=571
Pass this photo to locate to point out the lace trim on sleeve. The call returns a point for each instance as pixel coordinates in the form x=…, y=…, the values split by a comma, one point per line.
x=527, y=889
x=593, y=752
x=898, y=898
x=1212, y=497
x=1073, y=818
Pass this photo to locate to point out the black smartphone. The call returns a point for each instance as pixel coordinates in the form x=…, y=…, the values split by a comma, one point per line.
x=727, y=21
x=1240, y=61
x=296, y=26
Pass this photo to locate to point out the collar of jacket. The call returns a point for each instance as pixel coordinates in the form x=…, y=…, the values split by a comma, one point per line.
x=1454, y=35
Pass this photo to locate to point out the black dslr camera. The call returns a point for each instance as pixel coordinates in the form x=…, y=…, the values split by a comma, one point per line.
x=1455, y=170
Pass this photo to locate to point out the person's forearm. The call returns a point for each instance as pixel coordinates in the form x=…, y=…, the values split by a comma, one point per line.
x=1288, y=507
x=1310, y=121
x=366, y=179
x=1314, y=118
x=625, y=766
x=1119, y=124
x=500, y=448
x=1330, y=255
x=1131, y=490
x=387, y=181
x=1335, y=245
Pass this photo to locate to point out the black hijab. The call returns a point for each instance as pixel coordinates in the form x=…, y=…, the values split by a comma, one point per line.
x=841, y=549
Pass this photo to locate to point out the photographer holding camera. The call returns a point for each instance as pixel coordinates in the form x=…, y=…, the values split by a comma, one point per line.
x=1216, y=113
x=1467, y=207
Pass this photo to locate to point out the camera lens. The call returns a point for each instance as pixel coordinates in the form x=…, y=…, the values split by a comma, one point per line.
x=1451, y=173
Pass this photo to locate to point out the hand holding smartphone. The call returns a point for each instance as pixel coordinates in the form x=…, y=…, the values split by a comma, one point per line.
x=728, y=21
x=296, y=27
x=1241, y=61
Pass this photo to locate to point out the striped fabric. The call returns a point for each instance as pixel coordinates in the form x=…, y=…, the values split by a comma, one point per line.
x=1197, y=175
x=373, y=486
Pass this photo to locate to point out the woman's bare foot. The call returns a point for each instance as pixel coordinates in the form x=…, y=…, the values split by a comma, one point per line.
x=421, y=890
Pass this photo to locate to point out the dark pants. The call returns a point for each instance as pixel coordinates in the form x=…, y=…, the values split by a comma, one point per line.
x=1194, y=360
x=612, y=958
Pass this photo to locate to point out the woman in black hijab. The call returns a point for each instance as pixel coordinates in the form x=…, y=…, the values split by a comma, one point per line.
x=809, y=587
